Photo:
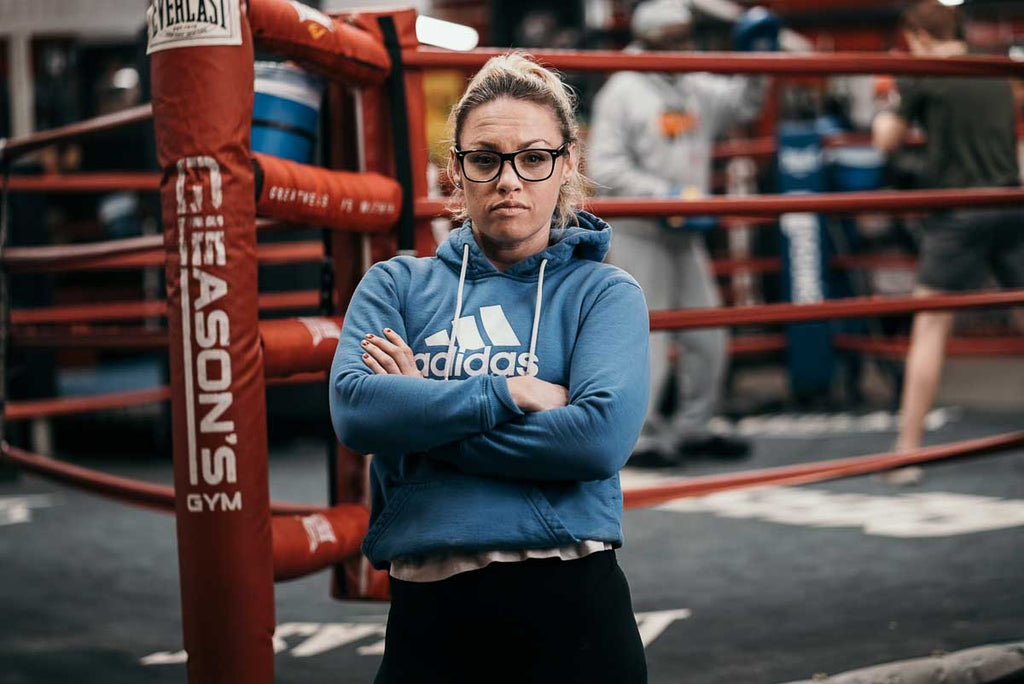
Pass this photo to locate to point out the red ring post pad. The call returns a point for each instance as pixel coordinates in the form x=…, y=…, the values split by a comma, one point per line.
x=348, y=52
x=202, y=94
x=306, y=544
x=299, y=345
x=299, y=193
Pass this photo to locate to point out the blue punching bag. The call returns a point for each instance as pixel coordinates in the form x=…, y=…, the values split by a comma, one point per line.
x=805, y=254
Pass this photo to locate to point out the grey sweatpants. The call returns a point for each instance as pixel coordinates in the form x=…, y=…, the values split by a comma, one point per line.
x=675, y=273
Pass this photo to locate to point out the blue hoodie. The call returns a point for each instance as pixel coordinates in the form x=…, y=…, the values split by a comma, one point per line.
x=457, y=466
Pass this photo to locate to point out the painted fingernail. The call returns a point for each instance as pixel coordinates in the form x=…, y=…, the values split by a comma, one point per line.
x=369, y=336
x=364, y=343
x=388, y=330
x=366, y=356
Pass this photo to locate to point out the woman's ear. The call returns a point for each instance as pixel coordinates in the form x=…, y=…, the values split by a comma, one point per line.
x=572, y=160
x=454, y=172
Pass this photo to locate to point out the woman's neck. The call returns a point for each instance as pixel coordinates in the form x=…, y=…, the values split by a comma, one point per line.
x=505, y=254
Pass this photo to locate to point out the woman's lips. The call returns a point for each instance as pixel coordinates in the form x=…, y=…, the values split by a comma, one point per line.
x=511, y=209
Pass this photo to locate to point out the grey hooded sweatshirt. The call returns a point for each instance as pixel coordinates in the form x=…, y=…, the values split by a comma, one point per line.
x=651, y=134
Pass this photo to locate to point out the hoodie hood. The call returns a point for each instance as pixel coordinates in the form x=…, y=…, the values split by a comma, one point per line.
x=589, y=241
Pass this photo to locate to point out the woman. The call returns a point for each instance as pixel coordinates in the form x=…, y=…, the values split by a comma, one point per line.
x=501, y=386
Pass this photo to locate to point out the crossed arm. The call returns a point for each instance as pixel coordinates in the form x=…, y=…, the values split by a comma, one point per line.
x=390, y=355
x=520, y=427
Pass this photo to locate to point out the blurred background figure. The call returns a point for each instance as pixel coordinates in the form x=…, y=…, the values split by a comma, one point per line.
x=971, y=142
x=651, y=135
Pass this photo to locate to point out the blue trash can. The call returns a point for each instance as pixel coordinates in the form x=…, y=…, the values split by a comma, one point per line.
x=286, y=111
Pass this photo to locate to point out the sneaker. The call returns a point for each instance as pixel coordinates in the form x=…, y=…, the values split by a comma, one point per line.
x=903, y=477
x=715, y=446
x=651, y=457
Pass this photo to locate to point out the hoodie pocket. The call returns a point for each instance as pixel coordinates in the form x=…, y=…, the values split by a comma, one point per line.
x=546, y=512
x=464, y=515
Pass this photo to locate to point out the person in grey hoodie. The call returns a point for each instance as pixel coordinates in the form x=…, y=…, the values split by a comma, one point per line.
x=651, y=135
x=500, y=386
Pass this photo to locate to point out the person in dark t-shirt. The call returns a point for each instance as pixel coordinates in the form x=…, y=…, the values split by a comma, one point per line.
x=971, y=143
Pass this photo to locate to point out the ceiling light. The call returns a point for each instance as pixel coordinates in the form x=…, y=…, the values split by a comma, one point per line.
x=445, y=34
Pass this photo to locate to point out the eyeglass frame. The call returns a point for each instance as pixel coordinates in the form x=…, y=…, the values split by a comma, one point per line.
x=510, y=157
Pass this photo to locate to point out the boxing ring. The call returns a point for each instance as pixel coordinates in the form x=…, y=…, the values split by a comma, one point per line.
x=217, y=196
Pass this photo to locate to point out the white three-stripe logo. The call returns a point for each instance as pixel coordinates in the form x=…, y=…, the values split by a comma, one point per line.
x=468, y=336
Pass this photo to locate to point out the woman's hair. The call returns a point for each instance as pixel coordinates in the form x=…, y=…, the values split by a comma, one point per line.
x=518, y=77
x=937, y=20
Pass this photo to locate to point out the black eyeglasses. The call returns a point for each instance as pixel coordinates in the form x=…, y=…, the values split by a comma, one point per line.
x=533, y=165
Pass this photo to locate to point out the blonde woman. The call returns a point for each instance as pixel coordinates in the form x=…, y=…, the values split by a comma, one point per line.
x=501, y=386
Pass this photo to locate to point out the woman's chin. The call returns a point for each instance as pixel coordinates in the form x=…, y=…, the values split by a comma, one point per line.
x=505, y=230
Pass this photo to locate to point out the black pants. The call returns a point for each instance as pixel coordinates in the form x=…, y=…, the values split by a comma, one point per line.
x=530, y=622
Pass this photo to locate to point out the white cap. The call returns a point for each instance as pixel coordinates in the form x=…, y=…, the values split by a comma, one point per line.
x=652, y=16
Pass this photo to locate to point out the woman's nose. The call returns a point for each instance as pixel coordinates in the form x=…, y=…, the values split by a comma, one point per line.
x=508, y=179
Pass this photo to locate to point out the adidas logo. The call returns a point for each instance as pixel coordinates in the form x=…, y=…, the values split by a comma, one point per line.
x=474, y=356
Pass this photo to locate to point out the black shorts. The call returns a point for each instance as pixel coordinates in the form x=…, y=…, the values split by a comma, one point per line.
x=529, y=622
x=961, y=248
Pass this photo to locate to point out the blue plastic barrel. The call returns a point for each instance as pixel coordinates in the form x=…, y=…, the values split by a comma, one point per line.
x=286, y=111
x=856, y=168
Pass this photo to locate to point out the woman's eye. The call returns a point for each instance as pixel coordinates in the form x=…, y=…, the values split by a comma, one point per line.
x=480, y=159
x=534, y=158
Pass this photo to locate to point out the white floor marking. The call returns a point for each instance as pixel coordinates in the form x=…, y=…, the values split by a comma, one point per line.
x=18, y=509
x=916, y=515
x=653, y=624
x=816, y=424
x=319, y=638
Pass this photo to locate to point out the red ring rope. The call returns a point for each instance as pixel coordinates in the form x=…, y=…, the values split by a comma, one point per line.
x=818, y=471
x=772, y=205
x=896, y=348
x=126, y=311
x=143, y=181
x=67, y=258
x=824, y=64
x=91, y=337
x=15, y=147
x=854, y=307
x=65, y=406
x=18, y=259
x=294, y=555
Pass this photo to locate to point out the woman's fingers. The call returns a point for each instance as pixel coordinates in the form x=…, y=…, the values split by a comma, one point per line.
x=381, y=356
x=396, y=339
x=372, y=364
x=405, y=356
x=395, y=348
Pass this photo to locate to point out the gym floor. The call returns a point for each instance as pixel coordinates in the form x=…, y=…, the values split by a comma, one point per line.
x=757, y=586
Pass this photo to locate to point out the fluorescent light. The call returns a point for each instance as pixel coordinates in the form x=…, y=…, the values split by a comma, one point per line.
x=445, y=34
x=126, y=78
x=951, y=3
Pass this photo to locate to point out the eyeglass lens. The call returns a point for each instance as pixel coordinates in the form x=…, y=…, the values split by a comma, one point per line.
x=531, y=165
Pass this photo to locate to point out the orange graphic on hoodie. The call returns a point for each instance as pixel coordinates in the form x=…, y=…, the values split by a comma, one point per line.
x=676, y=123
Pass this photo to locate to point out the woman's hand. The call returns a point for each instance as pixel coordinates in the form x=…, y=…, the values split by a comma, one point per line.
x=389, y=355
x=532, y=394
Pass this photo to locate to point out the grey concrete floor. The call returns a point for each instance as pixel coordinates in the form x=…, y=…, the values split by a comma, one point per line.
x=760, y=586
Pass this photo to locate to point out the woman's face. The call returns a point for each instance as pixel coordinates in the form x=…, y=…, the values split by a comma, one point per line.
x=508, y=212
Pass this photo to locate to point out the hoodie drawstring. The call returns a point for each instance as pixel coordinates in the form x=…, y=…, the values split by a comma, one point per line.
x=450, y=357
x=536, y=312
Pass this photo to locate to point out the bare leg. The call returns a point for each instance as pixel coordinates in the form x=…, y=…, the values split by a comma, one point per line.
x=923, y=371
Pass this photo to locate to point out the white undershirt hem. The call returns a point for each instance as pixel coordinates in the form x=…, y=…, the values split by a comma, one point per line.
x=437, y=568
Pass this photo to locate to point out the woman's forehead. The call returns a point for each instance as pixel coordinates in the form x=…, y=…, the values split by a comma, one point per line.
x=513, y=123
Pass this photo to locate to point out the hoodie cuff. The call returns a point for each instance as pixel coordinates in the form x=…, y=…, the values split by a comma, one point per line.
x=499, y=406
